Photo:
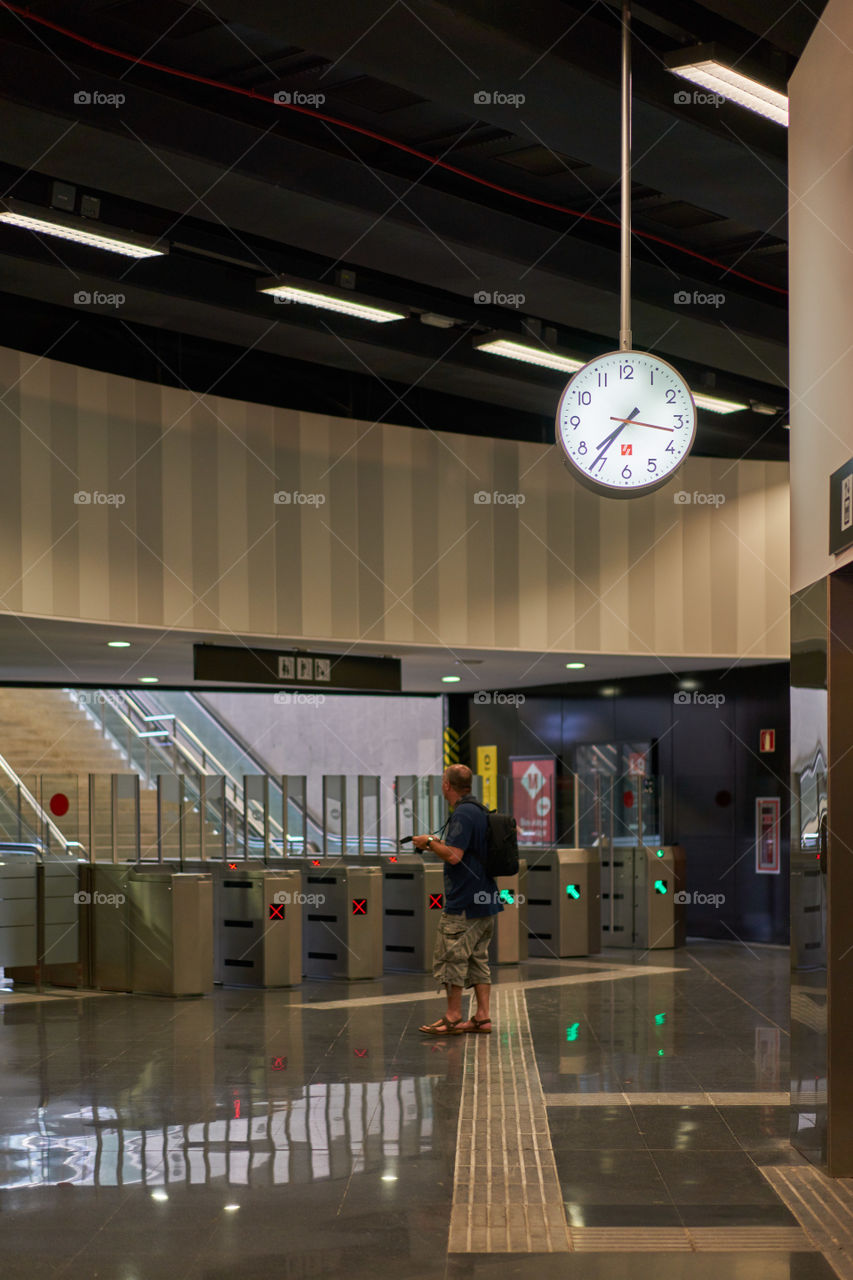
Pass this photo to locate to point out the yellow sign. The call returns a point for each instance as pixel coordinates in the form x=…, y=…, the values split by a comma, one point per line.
x=487, y=767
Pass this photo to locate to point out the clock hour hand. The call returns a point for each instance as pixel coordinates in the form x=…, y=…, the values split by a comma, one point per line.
x=604, y=445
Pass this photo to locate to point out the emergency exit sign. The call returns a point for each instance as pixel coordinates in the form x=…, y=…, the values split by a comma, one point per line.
x=295, y=669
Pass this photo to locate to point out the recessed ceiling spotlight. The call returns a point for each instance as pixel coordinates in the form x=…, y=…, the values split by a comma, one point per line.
x=688, y=684
x=608, y=691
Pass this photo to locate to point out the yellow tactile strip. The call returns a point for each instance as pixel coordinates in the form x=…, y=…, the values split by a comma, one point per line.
x=506, y=1193
x=824, y=1208
x=690, y=1240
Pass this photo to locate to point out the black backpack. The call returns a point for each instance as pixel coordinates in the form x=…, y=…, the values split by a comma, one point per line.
x=501, y=841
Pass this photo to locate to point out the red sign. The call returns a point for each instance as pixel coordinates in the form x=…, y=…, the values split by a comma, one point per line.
x=436, y=902
x=359, y=906
x=768, y=740
x=637, y=764
x=767, y=823
x=59, y=805
x=534, y=781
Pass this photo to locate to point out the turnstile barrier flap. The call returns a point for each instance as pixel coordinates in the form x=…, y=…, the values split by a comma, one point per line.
x=563, y=902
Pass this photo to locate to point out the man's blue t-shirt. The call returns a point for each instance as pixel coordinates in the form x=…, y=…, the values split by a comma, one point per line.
x=468, y=889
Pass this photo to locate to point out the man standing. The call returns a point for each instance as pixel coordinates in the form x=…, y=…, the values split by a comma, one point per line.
x=471, y=902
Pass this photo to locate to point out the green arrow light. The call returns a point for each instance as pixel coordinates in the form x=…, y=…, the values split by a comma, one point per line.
x=660, y=1019
x=506, y=896
x=660, y=886
x=573, y=890
x=659, y=853
x=572, y=1031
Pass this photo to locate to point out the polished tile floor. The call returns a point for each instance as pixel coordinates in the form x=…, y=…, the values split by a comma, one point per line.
x=313, y=1132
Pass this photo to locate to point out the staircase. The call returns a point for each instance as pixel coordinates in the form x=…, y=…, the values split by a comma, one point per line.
x=43, y=732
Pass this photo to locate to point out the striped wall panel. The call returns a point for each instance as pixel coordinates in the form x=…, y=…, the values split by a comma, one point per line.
x=381, y=533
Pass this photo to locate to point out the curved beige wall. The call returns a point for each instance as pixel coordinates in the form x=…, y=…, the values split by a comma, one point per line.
x=821, y=274
x=395, y=547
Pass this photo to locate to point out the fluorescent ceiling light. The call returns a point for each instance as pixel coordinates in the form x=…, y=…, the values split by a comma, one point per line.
x=149, y=679
x=705, y=67
x=308, y=294
x=515, y=349
x=575, y=666
x=67, y=226
x=437, y=321
x=118, y=644
x=451, y=679
x=715, y=405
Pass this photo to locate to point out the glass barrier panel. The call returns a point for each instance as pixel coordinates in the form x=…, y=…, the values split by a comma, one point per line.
x=256, y=823
x=169, y=792
x=294, y=811
x=66, y=816
x=127, y=820
x=369, y=814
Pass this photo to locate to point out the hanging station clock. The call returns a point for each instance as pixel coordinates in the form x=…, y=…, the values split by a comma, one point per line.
x=625, y=423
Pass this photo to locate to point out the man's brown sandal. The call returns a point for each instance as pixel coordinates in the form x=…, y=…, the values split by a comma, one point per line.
x=479, y=1026
x=444, y=1027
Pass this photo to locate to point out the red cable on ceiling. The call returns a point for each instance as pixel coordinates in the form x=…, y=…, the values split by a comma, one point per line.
x=434, y=161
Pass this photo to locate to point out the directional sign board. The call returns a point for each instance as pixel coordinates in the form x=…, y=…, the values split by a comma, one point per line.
x=237, y=664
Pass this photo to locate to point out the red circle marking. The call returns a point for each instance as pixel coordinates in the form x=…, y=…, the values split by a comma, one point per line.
x=59, y=805
x=628, y=799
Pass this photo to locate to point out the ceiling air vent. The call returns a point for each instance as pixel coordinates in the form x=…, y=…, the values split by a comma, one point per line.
x=542, y=162
x=374, y=95
x=176, y=19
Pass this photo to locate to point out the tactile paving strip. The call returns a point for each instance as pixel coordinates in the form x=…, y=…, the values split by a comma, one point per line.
x=506, y=1193
x=824, y=1208
x=690, y=1240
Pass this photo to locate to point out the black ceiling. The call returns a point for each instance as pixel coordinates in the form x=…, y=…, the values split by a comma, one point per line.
x=407, y=176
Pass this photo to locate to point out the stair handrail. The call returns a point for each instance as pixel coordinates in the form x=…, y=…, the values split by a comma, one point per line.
x=41, y=814
x=126, y=705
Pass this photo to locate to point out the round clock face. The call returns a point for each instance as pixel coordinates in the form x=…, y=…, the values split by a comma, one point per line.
x=625, y=423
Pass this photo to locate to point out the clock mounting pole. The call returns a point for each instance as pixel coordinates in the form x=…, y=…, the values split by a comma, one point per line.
x=625, y=336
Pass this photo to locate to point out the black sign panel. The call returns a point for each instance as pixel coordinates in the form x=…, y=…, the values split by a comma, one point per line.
x=841, y=509
x=295, y=670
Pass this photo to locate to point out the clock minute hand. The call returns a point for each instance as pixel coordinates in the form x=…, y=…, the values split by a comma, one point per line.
x=604, y=445
x=653, y=425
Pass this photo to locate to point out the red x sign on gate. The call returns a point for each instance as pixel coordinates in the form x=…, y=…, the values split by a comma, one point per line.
x=276, y=911
x=436, y=901
x=359, y=906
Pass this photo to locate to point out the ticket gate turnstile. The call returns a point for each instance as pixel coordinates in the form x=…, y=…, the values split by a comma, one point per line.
x=641, y=903
x=151, y=930
x=258, y=913
x=510, y=942
x=412, y=903
x=170, y=918
x=341, y=918
x=563, y=902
